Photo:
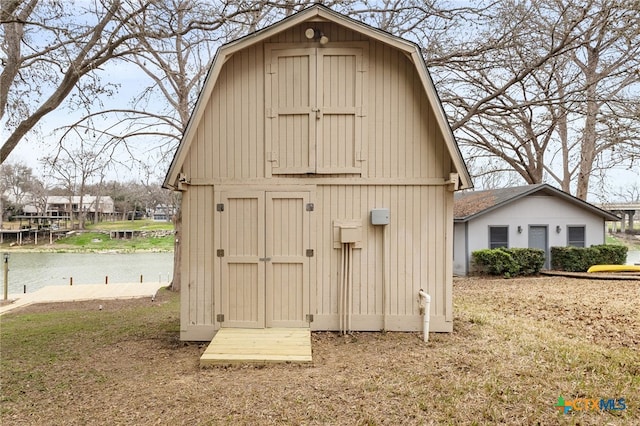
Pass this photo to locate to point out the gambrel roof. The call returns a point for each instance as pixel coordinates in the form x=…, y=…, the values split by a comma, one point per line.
x=471, y=204
x=317, y=13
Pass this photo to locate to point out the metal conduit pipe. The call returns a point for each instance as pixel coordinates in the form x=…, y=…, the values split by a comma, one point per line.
x=349, y=248
x=345, y=284
x=341, y=290
x=425, y=310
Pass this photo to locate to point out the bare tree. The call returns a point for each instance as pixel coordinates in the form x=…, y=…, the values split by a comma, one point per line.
x=558, y=97
x=17, y=184
x=628, y=193
x=39, y=196
x=76, y=168
x=175, y=66
x=16, y=180
x=53, y=51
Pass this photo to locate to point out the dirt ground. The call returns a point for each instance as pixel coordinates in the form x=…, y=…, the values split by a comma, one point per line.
x=518, y=345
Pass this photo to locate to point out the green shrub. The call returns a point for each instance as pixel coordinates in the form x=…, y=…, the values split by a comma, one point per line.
x=612, y=254
x=571, y=259
x=508, y=262
x=495, y=262
x=529, y=260
x=579, y=259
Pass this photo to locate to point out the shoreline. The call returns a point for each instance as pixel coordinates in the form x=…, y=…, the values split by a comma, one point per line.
x=125, y=250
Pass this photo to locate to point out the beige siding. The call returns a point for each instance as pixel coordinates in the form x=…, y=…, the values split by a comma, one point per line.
x=404, y=141
x=412, y=252
x=229, y=138
x=401, y=164
x=197, y=297
x=417, y=254
x=398, y=133
x=334, y=31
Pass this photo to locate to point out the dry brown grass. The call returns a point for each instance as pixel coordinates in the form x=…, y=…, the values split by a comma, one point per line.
x=518, y=345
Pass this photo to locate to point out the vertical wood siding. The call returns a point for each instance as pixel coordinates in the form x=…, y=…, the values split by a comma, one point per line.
x=287, y=283
x=416, y=240
x=399, y=133
x=242, y=273
x=400, y=141
x=197, y=298
x=229, y=140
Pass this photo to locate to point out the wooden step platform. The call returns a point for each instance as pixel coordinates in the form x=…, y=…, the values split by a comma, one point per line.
x=258, y=346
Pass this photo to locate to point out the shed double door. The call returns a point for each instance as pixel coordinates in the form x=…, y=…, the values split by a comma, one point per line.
x=265, y=263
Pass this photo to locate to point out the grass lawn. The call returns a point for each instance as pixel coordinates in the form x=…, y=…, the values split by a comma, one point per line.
x=153, y=236
x=631, y=241
x=131, y=225
x=518, y=346
x=98, y=241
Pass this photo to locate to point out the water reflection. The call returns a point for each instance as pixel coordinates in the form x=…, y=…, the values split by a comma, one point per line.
x=36, y=270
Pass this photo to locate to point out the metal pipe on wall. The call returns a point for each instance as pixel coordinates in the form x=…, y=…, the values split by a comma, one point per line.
x=349, y=248
x=345, y=287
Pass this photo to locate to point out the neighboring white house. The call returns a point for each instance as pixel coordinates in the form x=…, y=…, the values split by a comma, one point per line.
x=533, y=216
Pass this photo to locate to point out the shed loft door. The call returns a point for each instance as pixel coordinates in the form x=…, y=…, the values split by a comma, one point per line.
x=265, y=270
x=314, y=110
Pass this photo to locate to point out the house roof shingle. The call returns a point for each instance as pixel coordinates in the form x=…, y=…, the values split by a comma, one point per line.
x=470, y=204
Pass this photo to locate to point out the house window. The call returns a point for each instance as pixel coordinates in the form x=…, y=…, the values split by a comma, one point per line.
x=576, y=236
x=498, y=237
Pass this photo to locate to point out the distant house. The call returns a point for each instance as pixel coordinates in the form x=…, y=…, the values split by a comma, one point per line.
x=317, y=175
x=534, y=216
x=70, y=206
x=163, y=213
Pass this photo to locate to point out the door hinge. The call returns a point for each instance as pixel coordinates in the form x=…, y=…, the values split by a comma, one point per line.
x=309, y=317
x=310, y=207
x=309, y=252
x=271, y=68
x=220, y=317
x=220, y=252
x=220, y=207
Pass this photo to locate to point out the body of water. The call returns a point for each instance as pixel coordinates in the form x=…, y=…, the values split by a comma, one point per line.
x=37, y=270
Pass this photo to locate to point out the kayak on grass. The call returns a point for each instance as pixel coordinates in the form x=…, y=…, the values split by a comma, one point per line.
x=614, y=268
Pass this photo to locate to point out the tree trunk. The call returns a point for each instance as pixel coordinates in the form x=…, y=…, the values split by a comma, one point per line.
x=177, y=250
x=588, y=147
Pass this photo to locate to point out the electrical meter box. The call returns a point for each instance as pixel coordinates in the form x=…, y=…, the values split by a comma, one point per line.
x=350, y=234
x=380, y=216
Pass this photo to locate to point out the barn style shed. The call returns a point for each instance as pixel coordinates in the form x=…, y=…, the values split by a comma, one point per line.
x=317, y=176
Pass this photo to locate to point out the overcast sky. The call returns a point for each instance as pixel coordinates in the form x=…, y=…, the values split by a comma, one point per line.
x=32, y=149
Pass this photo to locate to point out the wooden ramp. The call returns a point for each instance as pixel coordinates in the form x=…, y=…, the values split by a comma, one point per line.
x=258, y=346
